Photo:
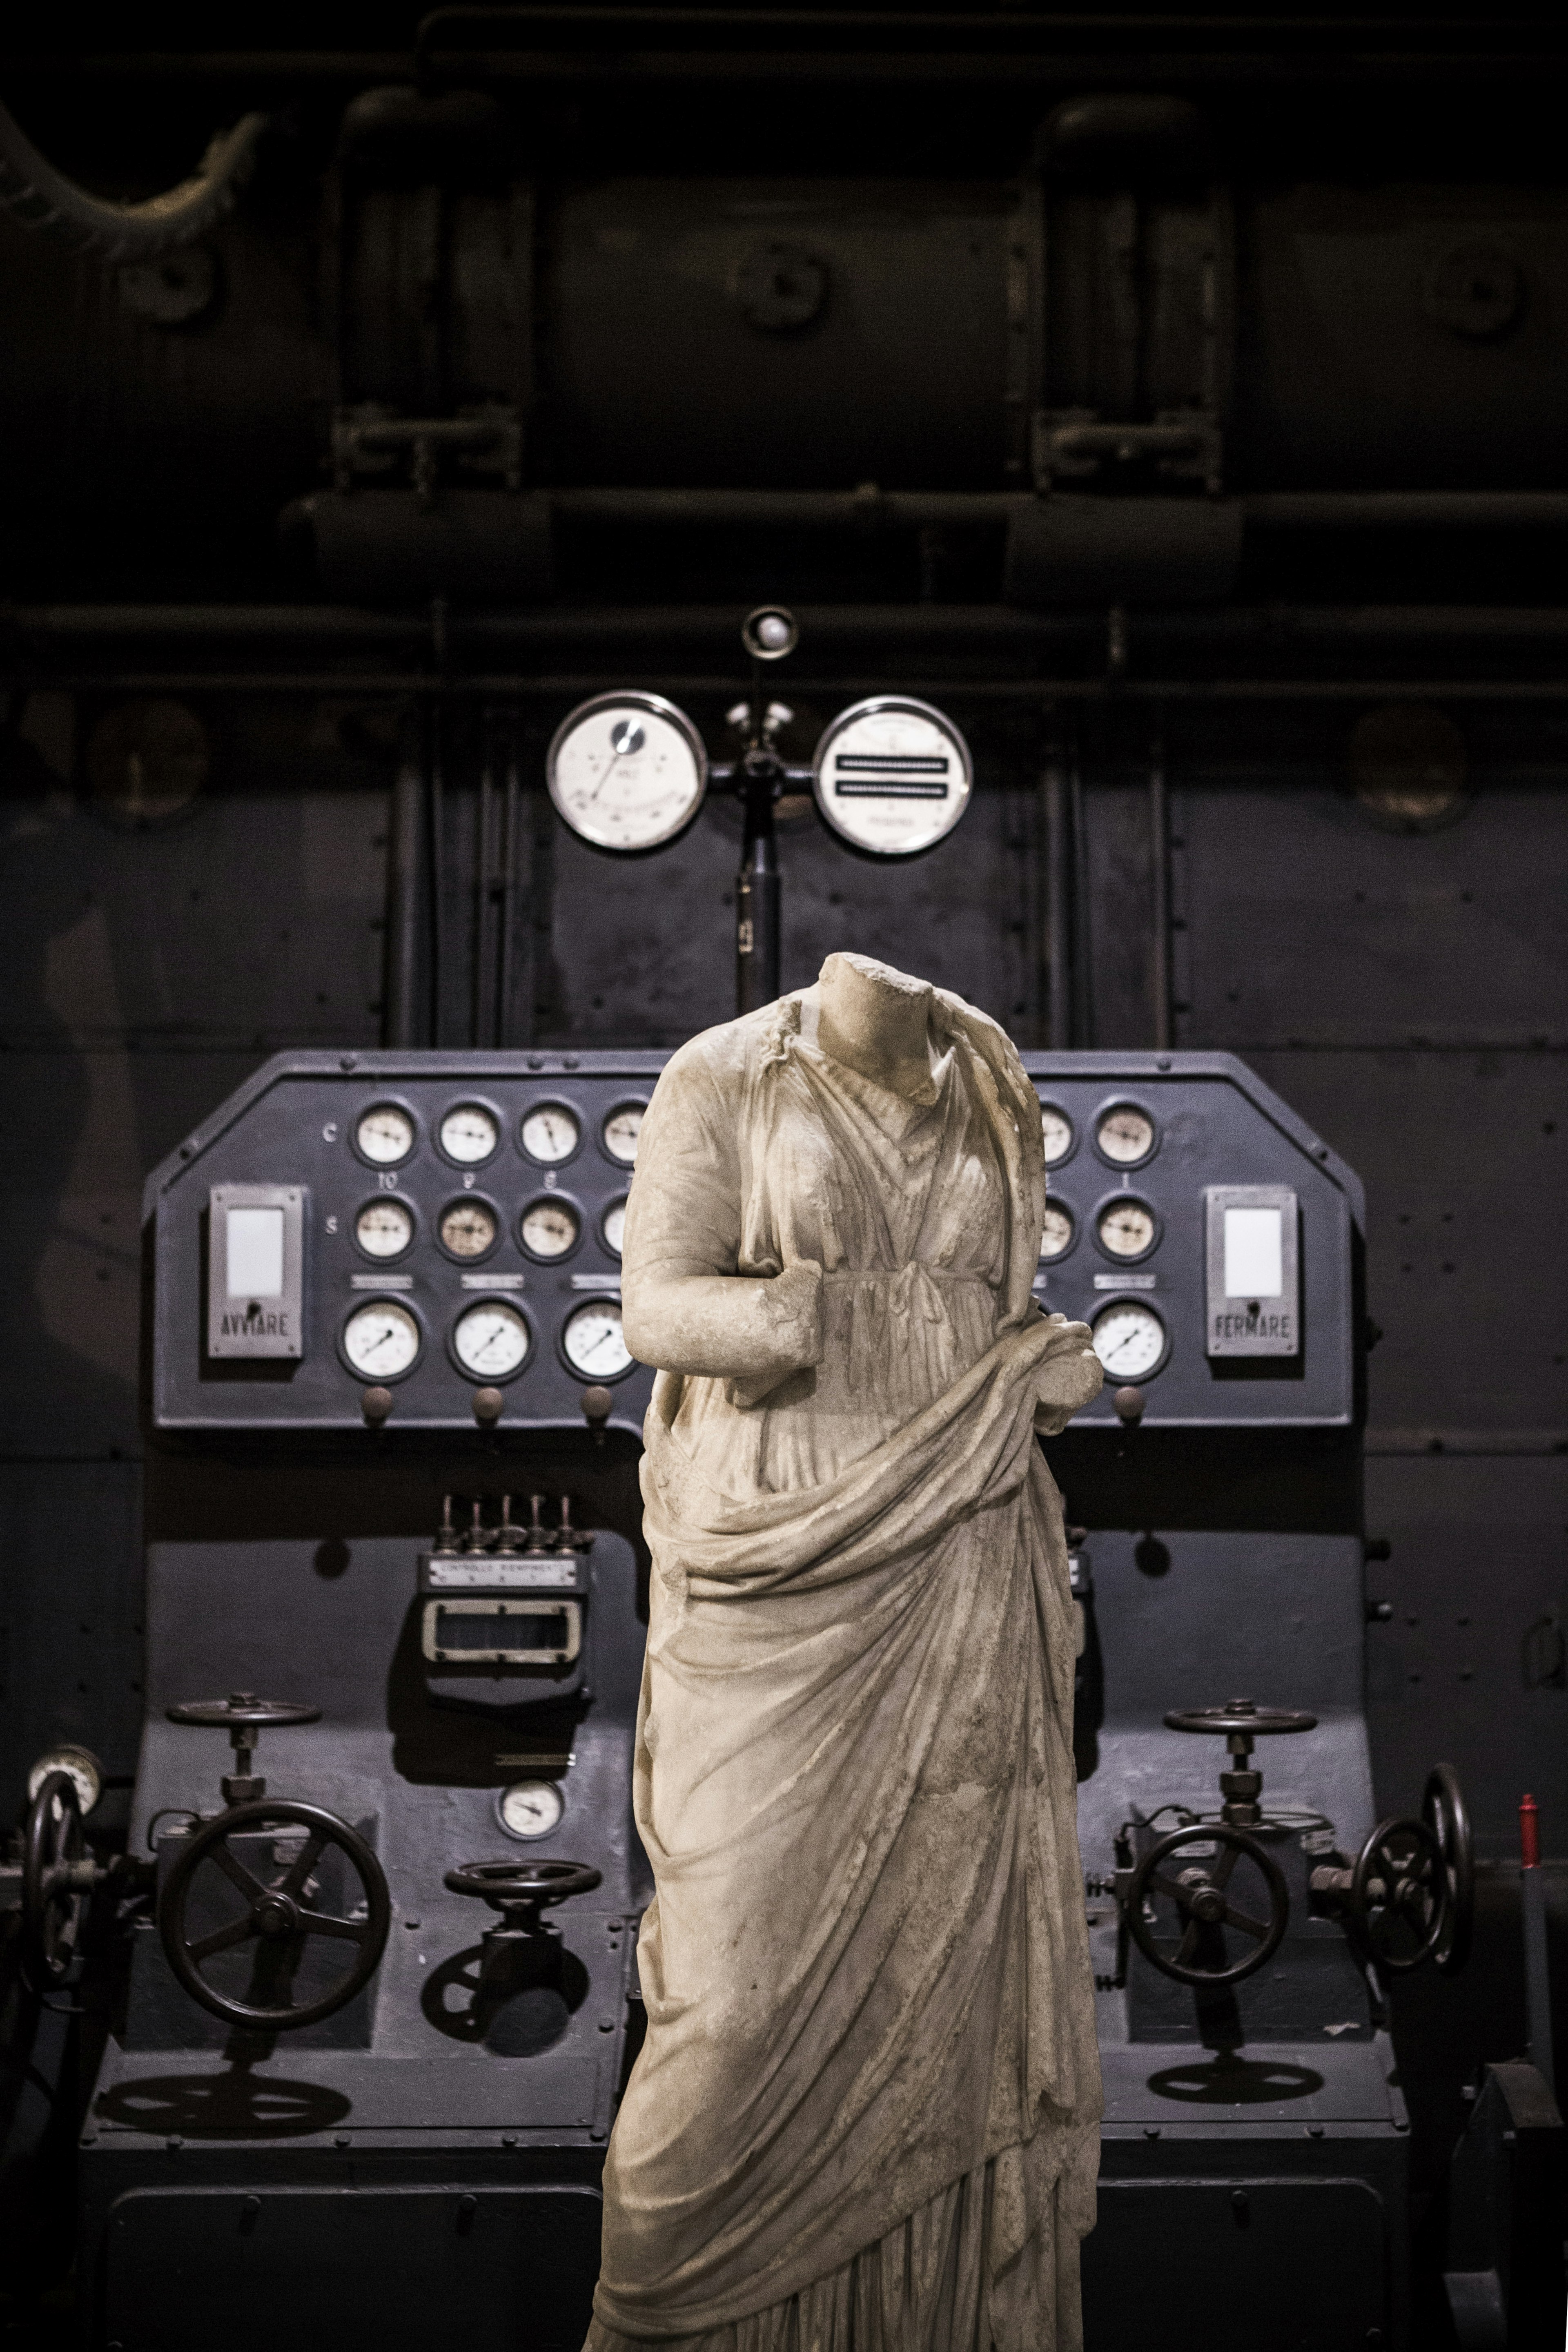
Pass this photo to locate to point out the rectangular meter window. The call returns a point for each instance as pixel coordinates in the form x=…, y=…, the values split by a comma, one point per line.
x=255, y=1266
x=1254, y=1279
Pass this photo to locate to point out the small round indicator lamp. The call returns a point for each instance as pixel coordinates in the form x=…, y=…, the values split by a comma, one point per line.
x=769, y=633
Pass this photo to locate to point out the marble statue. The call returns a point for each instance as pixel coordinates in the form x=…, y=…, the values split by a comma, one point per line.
x=865, y=2115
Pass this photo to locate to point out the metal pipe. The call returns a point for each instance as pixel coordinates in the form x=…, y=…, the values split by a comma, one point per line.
x=480, y=1009
x=1537, y=1975
x=1159, y=895
x=756, y=903
x=404, y=839
x=506, y=896
x=1082, y=904
x=1057, y=902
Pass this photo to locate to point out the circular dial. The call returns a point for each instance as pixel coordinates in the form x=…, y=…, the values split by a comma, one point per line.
x=382, y=1340
x=1056, y=1133
x=1125, y=1134
x=551, y=1229
x=627, y=770
x=592, y=1343
x=623, y=1131
x=1056, y=1239
x=1129, y=1340
x=384, y=1228
x=613, y=1226
x=892, y=775
x=469, y=1133
x=529, y=1809
x=1125, y=1229
x=81, y=1766
x=385, y=1135
x=469, y=1229
x=550, y=1134
x=491, y=1340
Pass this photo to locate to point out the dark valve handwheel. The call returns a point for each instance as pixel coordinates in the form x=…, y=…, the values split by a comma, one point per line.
x=1240, y=1719
x=1398, y=1898
x=277, y=1910
x=1447, y=1815
x=1205, y=1904
x=57, y=1880
x=241, y=1708
x=501, y=1884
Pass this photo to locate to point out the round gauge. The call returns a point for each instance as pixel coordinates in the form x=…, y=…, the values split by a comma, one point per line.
x=1129, y=1340
x=1125, y=1135
x=469, y=1229
x=549, y=1229
x=1056, y=1239
x=469, y=1133
x=1056, y=1134
x=613, y=1226
x=529, y=1809
x=892, y=775
x=627, y=770
x=382, y=1341
x=1126, y=1228
x=622, y=1132
x=385, y=1135
x=549, y=1133
x=592, y=1342
x=491, y=1340
x=80, y=1765
x=384, y=1228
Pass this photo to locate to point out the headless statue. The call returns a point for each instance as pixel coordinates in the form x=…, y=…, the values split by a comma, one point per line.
x=865, y=2115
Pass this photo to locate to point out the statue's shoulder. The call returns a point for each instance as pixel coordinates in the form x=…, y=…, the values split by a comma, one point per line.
x=731, y=1055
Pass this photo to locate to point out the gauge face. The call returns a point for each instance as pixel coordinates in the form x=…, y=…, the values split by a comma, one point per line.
x=550, y=1134
x=1125, y=1228
x=549, y=1229
x=1056, y=1134
x=469, y=1133
x=892, y=776
x=382, y=1341
x=469, y=1229
x=591, y=1341
x=613, y=1226
x=529, y=1809
x=491, y=1340
x=1056, y=1239
x=80, y=1767
x=1129, y=1340
x=385, y=1135
x=384, y=1228
x=622, y=1130
x=627, y=770
x=1125, y=1135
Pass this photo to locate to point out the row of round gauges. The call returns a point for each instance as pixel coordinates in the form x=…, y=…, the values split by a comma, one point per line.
x=468, y=1229
x=470, y=1134
x=890, y=775
x=489, y=1340
x=1124, y=1134
x=1125, y=1229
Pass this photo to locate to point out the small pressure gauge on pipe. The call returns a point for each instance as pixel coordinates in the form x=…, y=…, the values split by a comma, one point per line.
x=627, y=771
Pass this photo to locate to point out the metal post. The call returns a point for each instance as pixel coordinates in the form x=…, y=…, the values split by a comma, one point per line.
x=1058, y=903
x=1537, y=1980
x=404, y=847
x=757, y=893
x=1160, y=894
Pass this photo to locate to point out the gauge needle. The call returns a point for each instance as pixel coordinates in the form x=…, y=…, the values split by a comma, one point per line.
x=613, y=761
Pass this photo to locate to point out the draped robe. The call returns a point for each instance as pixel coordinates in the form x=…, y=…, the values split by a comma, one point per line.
x=864, y=2117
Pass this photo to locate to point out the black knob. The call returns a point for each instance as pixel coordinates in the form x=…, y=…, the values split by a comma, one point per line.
x=376, y=1405
x=488, y=1404
x=1129, y=1402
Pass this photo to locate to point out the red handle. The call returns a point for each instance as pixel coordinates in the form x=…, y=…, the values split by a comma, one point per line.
x=1530, y=1833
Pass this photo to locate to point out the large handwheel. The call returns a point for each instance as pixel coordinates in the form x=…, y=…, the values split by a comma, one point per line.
x=1447, y=1815
x=1206, y=1906
x=1399, y=1900
x=275, y=1910
x=57, y=1881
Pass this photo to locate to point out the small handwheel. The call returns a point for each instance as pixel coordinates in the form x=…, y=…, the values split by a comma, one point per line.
x=1399, y=1902
x=1206, y=1906
x=275, y=1910
x=1447, y=1815
x=541, y=1883
x=56, y=1881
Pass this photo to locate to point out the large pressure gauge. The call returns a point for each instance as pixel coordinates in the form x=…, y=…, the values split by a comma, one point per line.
x=1129, y=1340
x=627, y=770
x=892, y=775
x=382, y=1341
x=592, y=1342
x=491, y=1340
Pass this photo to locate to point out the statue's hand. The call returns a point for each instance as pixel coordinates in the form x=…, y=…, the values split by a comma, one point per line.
x=1069, y=1378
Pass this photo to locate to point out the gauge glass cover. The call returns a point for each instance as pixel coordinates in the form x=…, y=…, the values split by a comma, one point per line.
x=550, y=1134
x=1125, y=1229
x=1125, y=1135
x=1129, y=1340
x=551, y=1229
x=1056, y=1134
x=892, y=775
x=469, y=1229
x=622, y=1130
x=384, y=1228
x=80, y=1767
x=592, y=1342
x=1057, y=1236
x=612, y=1226
x=491, y=1340
x=469, y=1133
x=627, y=770
x=382, y=1340
x=529, y=1809
x=385, y=1135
